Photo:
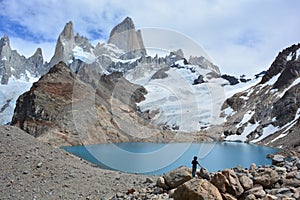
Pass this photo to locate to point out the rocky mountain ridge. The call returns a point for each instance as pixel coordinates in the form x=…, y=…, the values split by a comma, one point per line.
x=268, y=113
x=57, y=107
x=13, y=65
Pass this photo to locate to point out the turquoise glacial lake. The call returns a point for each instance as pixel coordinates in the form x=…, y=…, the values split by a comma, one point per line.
x=159, y=158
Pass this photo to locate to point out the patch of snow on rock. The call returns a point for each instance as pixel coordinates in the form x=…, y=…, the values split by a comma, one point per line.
x=243, y=136
x=246, y=118
x=84, y=56
x=268, y=130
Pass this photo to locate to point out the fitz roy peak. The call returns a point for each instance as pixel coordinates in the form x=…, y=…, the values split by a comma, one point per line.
x=125, y=37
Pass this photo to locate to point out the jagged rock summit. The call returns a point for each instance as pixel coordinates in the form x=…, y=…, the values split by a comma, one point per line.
x=64, y=45
x=14, y=66
x=125, y=37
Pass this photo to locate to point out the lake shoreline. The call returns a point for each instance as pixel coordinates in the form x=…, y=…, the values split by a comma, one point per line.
x=34, y=169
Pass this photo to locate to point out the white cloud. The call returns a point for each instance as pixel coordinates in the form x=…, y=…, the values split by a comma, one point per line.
x=242, y=37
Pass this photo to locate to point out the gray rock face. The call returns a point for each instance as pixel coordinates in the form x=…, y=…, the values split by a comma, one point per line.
x=280, y=62
x=64, y=45
x=14, y=65
x=125, y=37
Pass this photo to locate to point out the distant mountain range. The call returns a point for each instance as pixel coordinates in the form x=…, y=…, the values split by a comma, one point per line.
x=119, y=93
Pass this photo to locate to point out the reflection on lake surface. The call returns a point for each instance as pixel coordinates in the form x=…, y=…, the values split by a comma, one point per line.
x=159, y=158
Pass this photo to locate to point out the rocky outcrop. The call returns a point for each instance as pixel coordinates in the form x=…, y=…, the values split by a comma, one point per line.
x=125, y=37
x=47, y=110
x=281, y=62
x=13, y=65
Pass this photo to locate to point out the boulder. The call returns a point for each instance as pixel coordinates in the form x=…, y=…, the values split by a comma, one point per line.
x=246, y=182
x=171, y=192
x=267, y=178
x=220, y=181
x=177, y=177
x=257, y=191
x=277, y=159
x=233, y=185
x=160, y=182
x=252, y=167
x=197, y=189
x=296, y=192
x=204, y=173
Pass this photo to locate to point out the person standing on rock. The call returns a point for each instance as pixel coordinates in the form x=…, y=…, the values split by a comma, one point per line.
x=194, y=166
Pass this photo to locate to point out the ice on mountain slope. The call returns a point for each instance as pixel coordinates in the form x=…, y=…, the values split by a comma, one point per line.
x=84, y=56
x=230, y=90
x=180, y=104
x=9, y=94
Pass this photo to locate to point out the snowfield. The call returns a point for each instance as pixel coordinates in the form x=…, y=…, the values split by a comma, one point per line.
x=180, y=104
x=9, y=94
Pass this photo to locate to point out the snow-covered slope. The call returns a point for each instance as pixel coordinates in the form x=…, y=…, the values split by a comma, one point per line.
x=176, y=101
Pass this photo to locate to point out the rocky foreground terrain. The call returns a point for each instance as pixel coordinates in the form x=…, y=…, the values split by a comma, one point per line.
x=31, y=169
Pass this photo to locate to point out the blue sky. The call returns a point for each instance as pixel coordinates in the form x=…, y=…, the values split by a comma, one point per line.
x=241, y=37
